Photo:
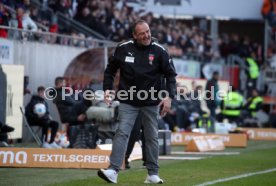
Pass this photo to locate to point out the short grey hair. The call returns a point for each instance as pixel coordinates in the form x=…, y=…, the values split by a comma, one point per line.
x=137, y=22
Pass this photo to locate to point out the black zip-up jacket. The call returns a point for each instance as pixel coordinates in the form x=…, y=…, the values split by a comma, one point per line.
x=32, y=117
x=69, y=109
x=143, y=67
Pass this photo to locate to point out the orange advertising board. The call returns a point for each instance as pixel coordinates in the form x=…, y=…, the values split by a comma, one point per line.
x=204, y=144
x=54, y=158
x=261, y=133
x=229, y=140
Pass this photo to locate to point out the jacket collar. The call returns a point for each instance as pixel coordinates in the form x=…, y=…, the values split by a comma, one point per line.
x=142, y=46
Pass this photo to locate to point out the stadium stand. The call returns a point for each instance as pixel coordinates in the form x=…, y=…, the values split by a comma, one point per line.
x=112, y=20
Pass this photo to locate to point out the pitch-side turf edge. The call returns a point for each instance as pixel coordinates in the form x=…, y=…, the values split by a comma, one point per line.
x=237, y=177
x=204, y=153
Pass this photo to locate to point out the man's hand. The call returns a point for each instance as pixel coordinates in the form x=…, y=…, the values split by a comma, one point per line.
x=81, y=117
x=109, y=96
x=165, y=106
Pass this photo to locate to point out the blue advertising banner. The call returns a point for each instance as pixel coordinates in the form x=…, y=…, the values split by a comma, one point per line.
x=187, y=68
x=6, y=51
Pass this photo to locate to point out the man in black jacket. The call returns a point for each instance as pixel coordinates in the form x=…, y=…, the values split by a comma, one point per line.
x=71, y=111
x=142, y=63
x=43, y=120
x=212, y=98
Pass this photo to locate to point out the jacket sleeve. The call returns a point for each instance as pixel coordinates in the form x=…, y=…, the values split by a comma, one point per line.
x=29, y=110
x=169, y=73
x=30, y=24
x=208, y=90
x=111, y=70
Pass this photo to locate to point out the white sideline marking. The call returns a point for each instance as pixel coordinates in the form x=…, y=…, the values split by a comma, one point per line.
x=179, y=158
x=237, y=177
x=205, y=153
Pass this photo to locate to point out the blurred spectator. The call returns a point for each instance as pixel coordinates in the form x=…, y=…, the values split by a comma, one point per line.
x=4, y=20
x=171, y=117
x=224, y=47
x=27, y=4
x=208, y=51
x=11, y=3
x=119, y=36
x=253, y=73
x=34, y=14
x=234, y=44
x=73, y=8
x=23, y=20
x=194, y=96
x=272, y=119
x=231, y=106
x=27, y=22
x=86, y=18
x=268, y=11
x=272, y=60
x=253, y=104
x=245, y=48
x=212, y=99
x=62, y=6
x=182, y=112
x=71, y=111
x=26, y=83
x=42, y=118
x=111, y=18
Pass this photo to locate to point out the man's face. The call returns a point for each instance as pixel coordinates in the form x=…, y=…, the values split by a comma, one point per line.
x=216, y=77
x=41, y=93
x=20, y=12
x=254, y=93
x=142, y=34
x=63, y=83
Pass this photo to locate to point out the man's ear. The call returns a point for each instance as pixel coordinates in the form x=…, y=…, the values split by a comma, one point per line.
x=133, y=35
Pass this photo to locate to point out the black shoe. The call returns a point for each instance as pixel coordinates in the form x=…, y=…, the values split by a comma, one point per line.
x=127, y=166
x=3, y=144
x=6, y=128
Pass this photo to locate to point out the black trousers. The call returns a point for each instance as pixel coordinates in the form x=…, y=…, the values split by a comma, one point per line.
x=46, y=124
x=136, y=135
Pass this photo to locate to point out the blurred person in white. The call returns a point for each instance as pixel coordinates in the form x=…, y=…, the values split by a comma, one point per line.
x=272, y=59
x=23, y=21
x=37, y=114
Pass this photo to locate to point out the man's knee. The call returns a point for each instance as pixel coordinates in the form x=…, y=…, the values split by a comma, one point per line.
x=54, y=124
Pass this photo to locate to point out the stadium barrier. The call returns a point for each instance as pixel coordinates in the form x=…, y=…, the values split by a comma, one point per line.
x=229, y=140
x=205, y=144
x=164, y=140
x=260, y=133
x=54, y=158
x=136, y=153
